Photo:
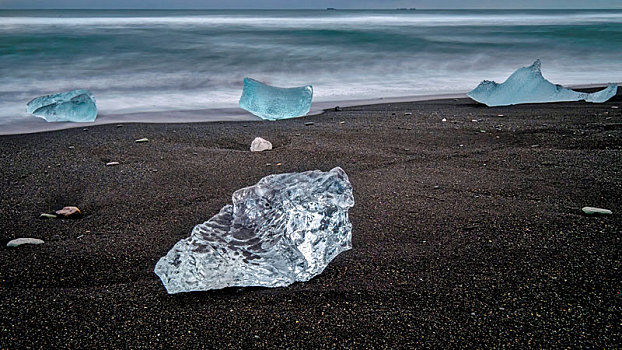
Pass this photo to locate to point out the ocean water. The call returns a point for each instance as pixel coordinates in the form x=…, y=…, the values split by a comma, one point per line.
x=146, y=61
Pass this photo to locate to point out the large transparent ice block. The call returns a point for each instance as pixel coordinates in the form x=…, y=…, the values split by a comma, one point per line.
x=527, y=85
x=284, y=229
x=72, y=106
x=273, y=103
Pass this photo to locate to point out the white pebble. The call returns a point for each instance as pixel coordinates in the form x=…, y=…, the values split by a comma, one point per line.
x=19, y=241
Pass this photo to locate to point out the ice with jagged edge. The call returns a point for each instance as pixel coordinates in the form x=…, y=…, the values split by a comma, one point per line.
x=284, y=229
x=72, y=106
x=527, y=85
x=274, y=103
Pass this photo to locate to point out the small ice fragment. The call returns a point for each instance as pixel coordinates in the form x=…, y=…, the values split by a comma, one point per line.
x=527, y=85
x=144, y=139
x=20, y=241
x=112, y=163
x=274, y=103
x=444, y=119
x=260, y=144
x=284, y=229
x=73, y=106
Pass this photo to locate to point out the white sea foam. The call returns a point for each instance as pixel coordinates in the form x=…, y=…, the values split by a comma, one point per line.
x=414, y=18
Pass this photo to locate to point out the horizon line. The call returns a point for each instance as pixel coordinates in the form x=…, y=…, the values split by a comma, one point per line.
x=310, y=9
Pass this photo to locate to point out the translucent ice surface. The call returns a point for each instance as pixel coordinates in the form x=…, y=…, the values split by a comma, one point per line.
x=527, y=85
x=603, y=95
x=284, y=229
x=273, y=103
x=72, y=106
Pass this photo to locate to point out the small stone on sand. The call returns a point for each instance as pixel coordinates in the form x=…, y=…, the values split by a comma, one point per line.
x=112, y=163
x=444, y=119
x=69, y=212
x=309, y=123
x=260, y=144
x=20, y=241
x=47, y=216
x=144, y=139
x=596, y=211
x=408, y=113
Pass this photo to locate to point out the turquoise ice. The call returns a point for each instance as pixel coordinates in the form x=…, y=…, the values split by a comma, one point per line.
x=527, y=85
x=72, y=106
x=274, y=103
x=286, y=228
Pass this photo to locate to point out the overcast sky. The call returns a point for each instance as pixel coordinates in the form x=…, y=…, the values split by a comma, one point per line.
x=297, y=4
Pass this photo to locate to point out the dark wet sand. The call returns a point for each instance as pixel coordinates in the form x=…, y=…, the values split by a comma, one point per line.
x=466, y=233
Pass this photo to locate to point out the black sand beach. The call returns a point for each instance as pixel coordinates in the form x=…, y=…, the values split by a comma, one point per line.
x=466, y=232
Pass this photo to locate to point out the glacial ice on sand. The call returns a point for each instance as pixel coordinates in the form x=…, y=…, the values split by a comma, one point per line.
x=284, y=229
x=527, y=85
x=273, y=103
x=72, y=106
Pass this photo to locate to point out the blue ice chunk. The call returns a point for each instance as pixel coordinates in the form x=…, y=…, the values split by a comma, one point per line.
x=284, y=229
x=274, y=103
x=527, y=85
x=603, y=95
x=73, y=106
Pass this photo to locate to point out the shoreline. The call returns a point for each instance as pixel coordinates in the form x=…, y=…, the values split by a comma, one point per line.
x=38, y=125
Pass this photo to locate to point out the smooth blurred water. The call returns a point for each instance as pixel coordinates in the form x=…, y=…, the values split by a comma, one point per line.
x=137, y=61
